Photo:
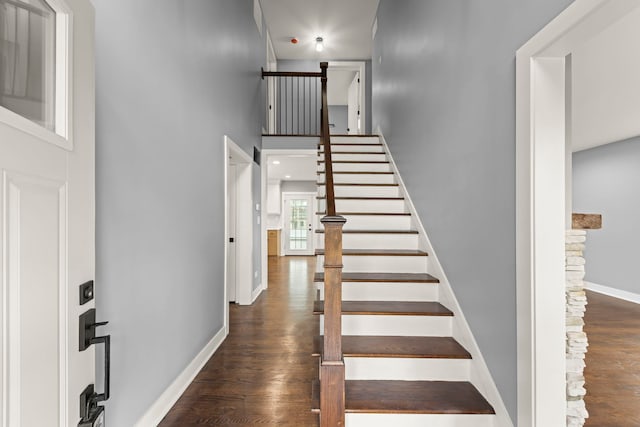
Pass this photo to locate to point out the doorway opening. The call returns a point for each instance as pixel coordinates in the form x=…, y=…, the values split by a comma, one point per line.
x=542, y=206
x=347, y=98
x=289, y=191
x=238, y=225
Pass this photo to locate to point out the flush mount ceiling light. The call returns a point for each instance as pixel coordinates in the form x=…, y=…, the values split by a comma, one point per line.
x=276, y=162
x=287, y=176
x=319, y=44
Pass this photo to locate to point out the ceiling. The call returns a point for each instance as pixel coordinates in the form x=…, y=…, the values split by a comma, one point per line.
x=299, y=167
x=345, y=26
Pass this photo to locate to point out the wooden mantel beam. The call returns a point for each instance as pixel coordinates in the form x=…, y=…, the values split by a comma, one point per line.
x=580, y=221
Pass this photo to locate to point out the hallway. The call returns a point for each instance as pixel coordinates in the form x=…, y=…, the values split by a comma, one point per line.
x=262, y=373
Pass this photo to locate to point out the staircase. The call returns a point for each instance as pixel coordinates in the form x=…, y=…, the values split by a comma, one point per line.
x=402, y=366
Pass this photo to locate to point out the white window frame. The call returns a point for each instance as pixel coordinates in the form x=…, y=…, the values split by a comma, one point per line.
x=62, y=133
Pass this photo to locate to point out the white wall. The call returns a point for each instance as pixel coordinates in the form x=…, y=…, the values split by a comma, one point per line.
x=606, y=86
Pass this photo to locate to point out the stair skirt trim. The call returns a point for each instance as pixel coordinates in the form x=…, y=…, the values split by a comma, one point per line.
x=161, y=407
x=479, y=372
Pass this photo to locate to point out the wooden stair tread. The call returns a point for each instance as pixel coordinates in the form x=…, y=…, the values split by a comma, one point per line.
x=370, y=213
x=378, y=252
x=351, y=135
x=399, y=346
x=321, y=152
x=359, y=184
x=350, y=144
x=358, y=172
x=382, y=277
x=356, y=161
x=396, y=308
x=362, y=198
x=321, y=231
x=409, y=397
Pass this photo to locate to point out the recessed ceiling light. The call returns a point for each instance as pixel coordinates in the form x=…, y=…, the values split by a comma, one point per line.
x=287, y=176
x=276, y=162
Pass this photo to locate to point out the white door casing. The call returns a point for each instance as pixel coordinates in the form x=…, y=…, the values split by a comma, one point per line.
x=541, y=123
x=47, y=243
x=358, y=67
x=235, y=155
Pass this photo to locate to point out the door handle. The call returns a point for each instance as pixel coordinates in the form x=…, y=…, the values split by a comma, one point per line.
x=89, y=399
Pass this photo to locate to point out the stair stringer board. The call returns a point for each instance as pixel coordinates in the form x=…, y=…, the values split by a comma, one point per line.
x=480, y=376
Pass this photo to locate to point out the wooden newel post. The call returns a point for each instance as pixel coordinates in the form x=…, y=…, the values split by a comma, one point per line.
x=332, y=400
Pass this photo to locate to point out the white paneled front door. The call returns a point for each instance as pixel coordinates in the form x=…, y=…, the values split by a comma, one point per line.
x=46, y=210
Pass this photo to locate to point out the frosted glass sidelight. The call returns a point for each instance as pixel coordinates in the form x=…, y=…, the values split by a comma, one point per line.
x=298, y=224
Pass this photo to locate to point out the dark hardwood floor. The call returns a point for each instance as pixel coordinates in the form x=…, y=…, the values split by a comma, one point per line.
x=613, y=362
x=262, y=373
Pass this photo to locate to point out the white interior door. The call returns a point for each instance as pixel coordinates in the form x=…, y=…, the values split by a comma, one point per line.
x=232, y=195
x=272, y=89
x=353, y=106
x=298, y=223
x=47, y=244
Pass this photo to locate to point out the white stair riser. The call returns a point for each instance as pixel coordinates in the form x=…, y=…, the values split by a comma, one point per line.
x=360, y=157
x=354, y=140
x=376, y=222
x=374, y=241
x=372, y=148
x=406, y=369
x=359, y=178
x=351, y=205
x=357, y=167
x=380, y=264
x=361, y=191
x=372, y=291
x=419, y=420
x=412, y=326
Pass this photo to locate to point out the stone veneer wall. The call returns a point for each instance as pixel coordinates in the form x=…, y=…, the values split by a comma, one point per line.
x=576, y=337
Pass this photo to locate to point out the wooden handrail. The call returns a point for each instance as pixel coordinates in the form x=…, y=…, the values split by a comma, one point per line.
x=332, y=377
x=290, y=74
x=326, y=142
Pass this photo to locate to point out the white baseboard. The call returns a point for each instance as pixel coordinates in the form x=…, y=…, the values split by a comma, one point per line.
x=256, y=293
x=613, y=292
x=161, y=407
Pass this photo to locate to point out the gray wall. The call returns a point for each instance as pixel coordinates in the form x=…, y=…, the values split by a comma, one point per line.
x=173, y=77
x=313, y=65
x=606, y=180
x=444, y=96
x=339, y=116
